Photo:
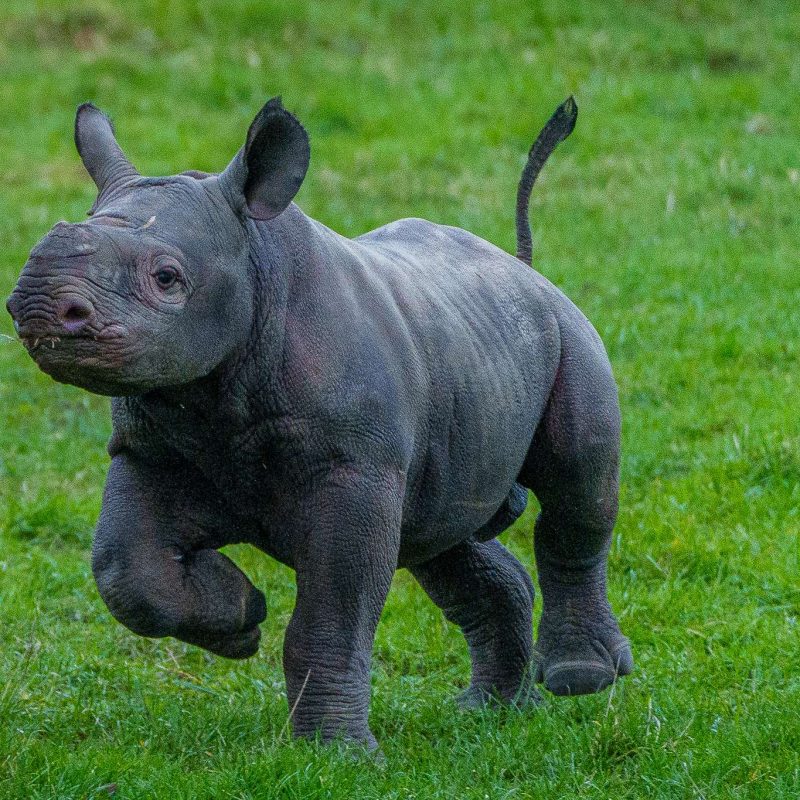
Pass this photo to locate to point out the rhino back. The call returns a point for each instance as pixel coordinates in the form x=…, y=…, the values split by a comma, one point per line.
x=433, y=346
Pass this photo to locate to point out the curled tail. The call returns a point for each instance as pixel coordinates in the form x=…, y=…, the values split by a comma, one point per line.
x=558, y=127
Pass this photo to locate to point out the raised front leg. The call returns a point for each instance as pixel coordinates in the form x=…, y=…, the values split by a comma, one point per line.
x=484, y=590
x=573, y=469
x=156, y=566
x=344, y=570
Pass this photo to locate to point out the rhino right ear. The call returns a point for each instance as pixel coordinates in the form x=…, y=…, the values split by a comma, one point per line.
x=267, y=172
x=98, y=149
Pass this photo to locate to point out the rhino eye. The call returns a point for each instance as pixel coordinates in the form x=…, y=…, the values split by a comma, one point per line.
x=166, y=277
x=166, y=272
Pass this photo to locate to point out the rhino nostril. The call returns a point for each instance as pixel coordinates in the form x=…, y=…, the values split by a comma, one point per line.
x=75, y=314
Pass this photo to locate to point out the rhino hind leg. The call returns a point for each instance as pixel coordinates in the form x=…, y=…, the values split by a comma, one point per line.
x=572, y=467
x=482, y=588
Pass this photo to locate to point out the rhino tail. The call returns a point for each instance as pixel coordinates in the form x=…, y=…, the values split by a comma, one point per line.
x=558, y=127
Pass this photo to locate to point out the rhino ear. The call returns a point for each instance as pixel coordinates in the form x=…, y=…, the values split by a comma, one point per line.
x=98, y=149
x=265, y=175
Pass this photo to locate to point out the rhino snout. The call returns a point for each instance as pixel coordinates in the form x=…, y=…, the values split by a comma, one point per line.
x=40, y=306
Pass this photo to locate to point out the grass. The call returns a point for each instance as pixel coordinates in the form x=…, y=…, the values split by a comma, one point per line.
x=670, y=217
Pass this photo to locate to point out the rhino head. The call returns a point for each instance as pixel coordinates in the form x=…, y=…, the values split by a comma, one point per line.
x=155, y=288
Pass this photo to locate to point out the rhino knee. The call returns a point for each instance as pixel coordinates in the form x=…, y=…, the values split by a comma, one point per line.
x=198, y=596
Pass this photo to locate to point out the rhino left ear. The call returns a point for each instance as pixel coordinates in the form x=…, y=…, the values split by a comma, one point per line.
x=98, y=149
x=267, y=172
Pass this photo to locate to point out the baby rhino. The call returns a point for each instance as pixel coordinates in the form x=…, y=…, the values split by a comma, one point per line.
x=348, y=406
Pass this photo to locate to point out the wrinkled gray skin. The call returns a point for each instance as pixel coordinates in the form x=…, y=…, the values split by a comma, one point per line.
x=347, y=406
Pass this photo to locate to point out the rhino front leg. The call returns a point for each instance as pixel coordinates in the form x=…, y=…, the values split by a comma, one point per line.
x=158, y=571
x=352, y=542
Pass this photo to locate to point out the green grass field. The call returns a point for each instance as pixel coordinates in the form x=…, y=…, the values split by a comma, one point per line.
x=670, y=217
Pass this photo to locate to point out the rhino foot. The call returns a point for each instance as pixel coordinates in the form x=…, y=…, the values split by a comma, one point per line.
x=581, y=653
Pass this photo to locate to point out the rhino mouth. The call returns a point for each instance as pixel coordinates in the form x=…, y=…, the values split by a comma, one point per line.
x=34, y=337
x=93, y=361
x=60, y=350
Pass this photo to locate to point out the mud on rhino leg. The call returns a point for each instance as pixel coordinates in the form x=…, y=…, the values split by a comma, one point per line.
x=572, y=467
x=482, y=588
